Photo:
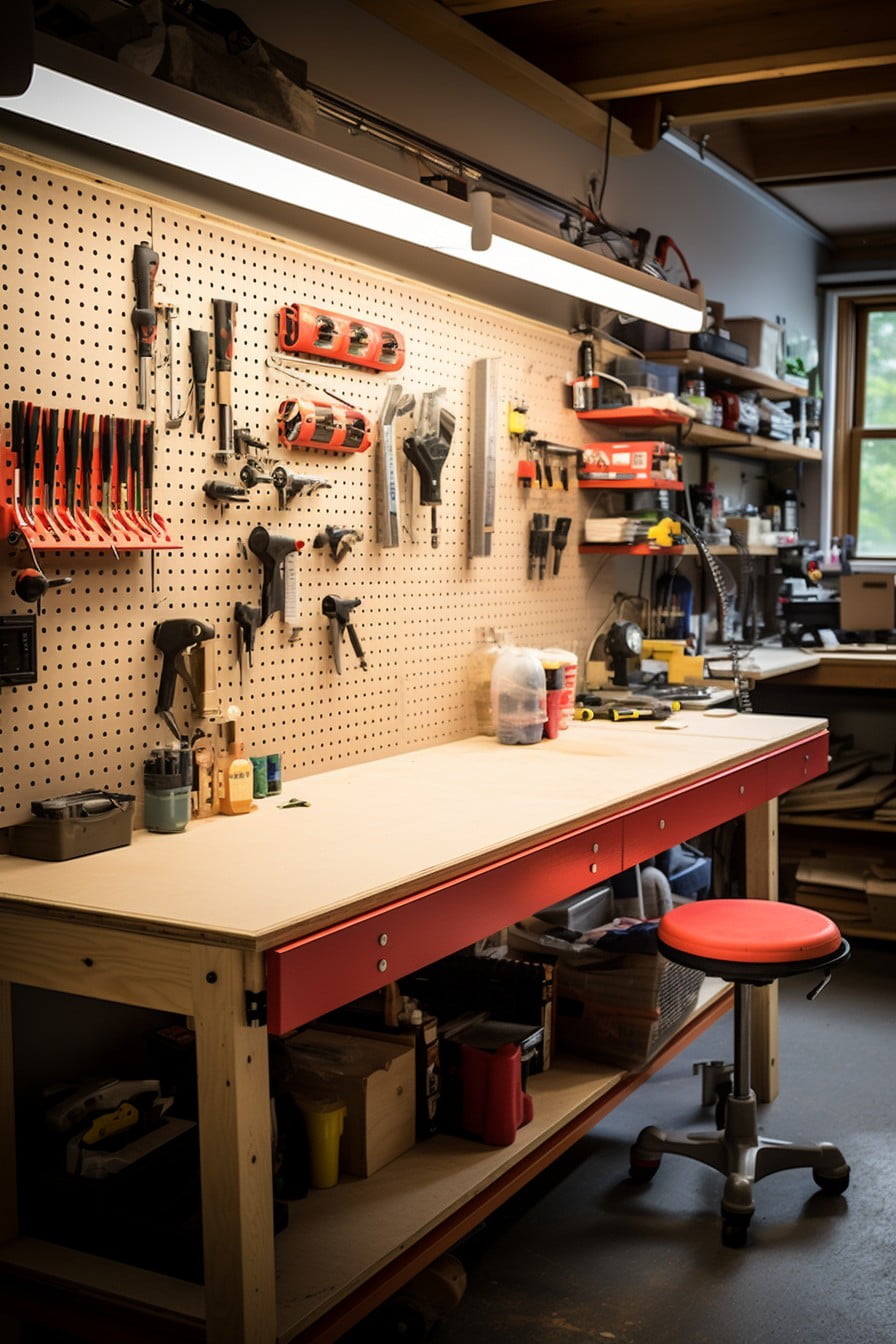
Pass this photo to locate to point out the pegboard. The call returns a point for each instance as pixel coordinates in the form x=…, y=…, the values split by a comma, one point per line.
x=66, y=249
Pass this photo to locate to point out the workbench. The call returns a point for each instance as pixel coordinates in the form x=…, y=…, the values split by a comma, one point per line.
x=265, y=921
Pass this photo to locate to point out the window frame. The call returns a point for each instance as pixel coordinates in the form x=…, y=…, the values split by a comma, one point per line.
x=849, y=431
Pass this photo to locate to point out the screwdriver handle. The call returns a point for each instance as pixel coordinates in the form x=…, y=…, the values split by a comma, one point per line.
x=224, y=310
x=87, y=454
x=144, y=319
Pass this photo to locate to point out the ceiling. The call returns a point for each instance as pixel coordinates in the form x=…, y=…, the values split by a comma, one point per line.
x=799, y=96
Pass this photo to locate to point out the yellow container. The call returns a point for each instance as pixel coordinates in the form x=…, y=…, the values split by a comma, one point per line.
x=324, y=1119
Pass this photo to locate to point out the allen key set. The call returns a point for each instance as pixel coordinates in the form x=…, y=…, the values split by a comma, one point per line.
x=82, y=482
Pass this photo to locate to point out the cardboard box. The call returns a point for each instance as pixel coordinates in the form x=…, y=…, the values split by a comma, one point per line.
x=761, y=339
x=375, y=1077
x=867, y=601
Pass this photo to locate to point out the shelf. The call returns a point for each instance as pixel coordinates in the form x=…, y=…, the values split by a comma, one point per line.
x=693, y=360
x=831, y=822
x=643, y=416
x=628, y=482
x=624, y=548
x=745, y=445
x=439, y=1179
x=439, y=1190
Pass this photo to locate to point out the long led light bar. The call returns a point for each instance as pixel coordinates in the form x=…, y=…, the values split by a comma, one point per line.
x=337, y=186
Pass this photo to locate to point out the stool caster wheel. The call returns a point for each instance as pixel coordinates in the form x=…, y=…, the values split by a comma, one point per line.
x=641, y=1171
x=734, y=1232
x=831, y=1185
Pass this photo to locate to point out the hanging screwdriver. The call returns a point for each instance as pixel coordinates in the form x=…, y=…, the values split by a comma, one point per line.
x=199, y=365
x=144, y=318
x=224, y=310
x=559, y=538
x=539, y=537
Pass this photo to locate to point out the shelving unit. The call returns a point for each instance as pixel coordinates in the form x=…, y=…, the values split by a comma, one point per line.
x=438, y=1187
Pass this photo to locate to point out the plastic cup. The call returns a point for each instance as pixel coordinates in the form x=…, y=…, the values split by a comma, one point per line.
x=324, y=1119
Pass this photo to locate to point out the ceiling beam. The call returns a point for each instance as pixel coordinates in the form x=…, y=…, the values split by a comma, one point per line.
x=835, y=147
x=734, y=69
x=775, y=97
x=455, y=40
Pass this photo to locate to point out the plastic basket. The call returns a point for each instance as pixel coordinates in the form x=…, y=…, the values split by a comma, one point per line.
x=622, y=1012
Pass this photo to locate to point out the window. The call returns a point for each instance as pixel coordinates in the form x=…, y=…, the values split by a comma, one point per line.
x=865, y=475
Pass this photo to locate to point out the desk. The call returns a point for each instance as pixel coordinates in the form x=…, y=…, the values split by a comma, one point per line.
x=289, y=912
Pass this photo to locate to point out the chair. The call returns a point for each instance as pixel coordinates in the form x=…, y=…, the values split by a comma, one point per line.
x=748, y=942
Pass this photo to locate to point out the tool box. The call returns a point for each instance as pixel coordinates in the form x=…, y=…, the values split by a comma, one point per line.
x=74, y=825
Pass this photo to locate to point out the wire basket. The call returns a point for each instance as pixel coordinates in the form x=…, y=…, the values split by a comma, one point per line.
x=622, y=1012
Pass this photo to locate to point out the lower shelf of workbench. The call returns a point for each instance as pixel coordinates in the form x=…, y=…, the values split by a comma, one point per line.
x=348, y=1248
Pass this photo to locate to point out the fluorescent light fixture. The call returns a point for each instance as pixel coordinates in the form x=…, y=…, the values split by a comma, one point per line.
x=338, y=186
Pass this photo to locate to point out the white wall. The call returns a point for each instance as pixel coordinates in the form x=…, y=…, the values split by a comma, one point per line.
x=748, y=255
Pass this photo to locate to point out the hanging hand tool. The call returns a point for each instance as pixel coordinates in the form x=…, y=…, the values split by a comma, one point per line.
x=87, y=452
x=427, y=449
x=272, y=550
x=199, y=365
x=248, y=620
x=71, y=440
x=388, y=518
x=122, y=441
x=224, y=492
x=24, y=443
x=144, y=318
x=559, y=537
x=136, y=471
x=49, y=448
x=173, y=638
x=225, y=311
x=31, y=584
x=174, y=416
x=539, y=538
x=339, y=539
x=255, y=473
x=103, y=515
x=288, y=485
x=338, y=612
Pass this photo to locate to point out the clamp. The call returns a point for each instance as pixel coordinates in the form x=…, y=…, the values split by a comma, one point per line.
x=338, y=612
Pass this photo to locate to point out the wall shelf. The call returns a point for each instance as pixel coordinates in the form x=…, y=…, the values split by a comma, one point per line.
x=693, y=361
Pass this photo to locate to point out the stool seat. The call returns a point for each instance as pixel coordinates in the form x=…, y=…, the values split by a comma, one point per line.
x=750, y=940
x=740, y=930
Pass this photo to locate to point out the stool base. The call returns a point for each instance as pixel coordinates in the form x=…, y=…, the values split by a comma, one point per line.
x=743, y=1158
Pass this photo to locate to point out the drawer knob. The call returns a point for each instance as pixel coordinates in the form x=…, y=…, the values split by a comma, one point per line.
x=382, y=965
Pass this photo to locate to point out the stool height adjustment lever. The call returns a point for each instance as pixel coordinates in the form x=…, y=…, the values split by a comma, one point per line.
x=822, y=984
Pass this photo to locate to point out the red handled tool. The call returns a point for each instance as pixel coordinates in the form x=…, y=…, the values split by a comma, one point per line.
x=144, y=317
x=49, y=448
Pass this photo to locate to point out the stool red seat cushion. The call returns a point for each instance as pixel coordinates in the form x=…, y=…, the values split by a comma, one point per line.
x=749, y=931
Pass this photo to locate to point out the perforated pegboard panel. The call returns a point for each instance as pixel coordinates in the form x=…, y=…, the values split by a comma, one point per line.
x=67, y=245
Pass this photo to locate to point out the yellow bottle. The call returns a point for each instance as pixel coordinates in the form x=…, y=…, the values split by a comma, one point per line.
x=236, y=776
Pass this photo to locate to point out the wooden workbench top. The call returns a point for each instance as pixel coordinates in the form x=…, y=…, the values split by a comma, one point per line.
x=383, y=829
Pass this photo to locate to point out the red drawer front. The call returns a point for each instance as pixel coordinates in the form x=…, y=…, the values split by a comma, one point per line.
x=795, y=765
x=313, y=975
x=687, y=812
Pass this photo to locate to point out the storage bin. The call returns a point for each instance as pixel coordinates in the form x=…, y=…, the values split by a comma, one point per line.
x=761, y=339
x=646, y=373
x=622, y=1011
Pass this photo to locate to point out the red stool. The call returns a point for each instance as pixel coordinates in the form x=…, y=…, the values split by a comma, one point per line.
x=748, y=943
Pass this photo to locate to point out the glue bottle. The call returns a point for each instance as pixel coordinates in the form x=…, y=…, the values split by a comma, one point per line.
x=236, y=771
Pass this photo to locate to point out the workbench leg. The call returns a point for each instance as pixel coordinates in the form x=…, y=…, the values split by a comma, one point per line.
x=235, y=1155
x=761, y=864
x=8, y=1210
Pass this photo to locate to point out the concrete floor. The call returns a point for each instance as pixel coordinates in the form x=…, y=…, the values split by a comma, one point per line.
x=584, y=1254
